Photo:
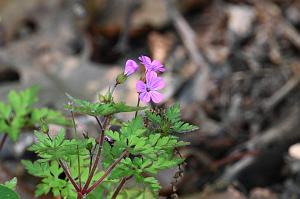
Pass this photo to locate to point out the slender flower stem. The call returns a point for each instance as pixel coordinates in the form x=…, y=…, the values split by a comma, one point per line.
x=120, y=186
x=74, y=124
x=100, y=145
x=67, y=172
x=100, y=124
x=3, y=141
x=138, y=105
x=114, y=88
x=107, y=172
x=79, y=171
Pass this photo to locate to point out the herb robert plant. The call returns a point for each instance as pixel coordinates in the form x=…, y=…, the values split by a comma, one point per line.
x=99, y=167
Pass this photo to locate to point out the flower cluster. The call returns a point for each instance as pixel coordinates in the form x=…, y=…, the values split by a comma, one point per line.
x=147, y=87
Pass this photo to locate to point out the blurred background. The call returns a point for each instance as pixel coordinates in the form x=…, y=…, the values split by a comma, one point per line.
x=234, y=66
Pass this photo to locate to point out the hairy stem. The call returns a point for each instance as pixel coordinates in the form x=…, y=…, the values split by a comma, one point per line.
x=100, y=145
x=67, y=172
x=107, y=172
x=4, y=138
x=120, y=186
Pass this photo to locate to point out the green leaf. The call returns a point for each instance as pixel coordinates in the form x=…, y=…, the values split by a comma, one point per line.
x=11, y=183
x=50, y=172
x=15, y=126
x=173, y=115
x=40, y=169
x=22, y=101
x=169, y=121
x=4, y=128
x=113, y=135
x=181, y=127
x=5, y=111
x=154, y=118
x=15, y=100
x=153, y=183
x=58, y=147
x=42, y=189
x=97, y=109
x=136, y=193
x=19, y=113
x=7, y=193
x=133, y=128
x=49, y=116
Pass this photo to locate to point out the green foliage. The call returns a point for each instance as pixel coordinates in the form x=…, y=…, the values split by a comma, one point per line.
x=150, y=141
x=150, y=153
x=58, y=147
x=49, y=116
x=7, y=193
x=54, y=149
x=137, y=194
x=99, y=109
x=19, y=113
x=50, y=172
x=11, y=183
x=169, y=121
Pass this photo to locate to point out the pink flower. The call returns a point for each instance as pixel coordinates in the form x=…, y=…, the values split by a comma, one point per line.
x=130, y=67
x=150, y=65
x=149, y=90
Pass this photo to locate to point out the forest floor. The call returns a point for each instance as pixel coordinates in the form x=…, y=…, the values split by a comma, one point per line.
x=234, y=66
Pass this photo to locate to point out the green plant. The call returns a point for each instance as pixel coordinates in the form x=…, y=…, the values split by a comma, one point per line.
x=7, y=189
x=19, y=112
x=99, y=167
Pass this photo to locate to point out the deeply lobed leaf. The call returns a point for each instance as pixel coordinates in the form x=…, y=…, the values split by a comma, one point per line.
x=99, y=109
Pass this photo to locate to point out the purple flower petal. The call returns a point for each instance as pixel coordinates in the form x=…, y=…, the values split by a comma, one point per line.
x=156, y=97
x=145, y=60
x=145, y=97
x=157, y=66
x=157, y=84
x=150, y=76
x=130, y=67
x=141, y=86
x=161, y=69
x=150, y=65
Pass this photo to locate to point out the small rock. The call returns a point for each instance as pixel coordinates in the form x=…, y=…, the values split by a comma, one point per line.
x=240, y=19
x=294, y=151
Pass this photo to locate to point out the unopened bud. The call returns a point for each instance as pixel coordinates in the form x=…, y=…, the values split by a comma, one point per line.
x=89, y=146
x=44, y=126
x=121, y=78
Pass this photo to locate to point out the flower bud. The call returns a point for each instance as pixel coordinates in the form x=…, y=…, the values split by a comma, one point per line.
x=89, y=146
x=44, y=126
x=121, y=78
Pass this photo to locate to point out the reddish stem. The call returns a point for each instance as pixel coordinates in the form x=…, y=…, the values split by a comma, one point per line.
x=120, y=186
x=107, y=172
x=3, y=141
x=94, y=167
x=79, y=195
x=66, y=171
